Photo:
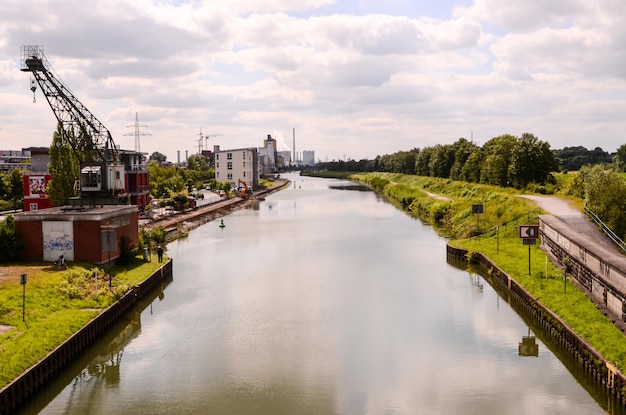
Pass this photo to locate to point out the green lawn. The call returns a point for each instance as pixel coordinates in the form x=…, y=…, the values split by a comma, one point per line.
x=57, y=304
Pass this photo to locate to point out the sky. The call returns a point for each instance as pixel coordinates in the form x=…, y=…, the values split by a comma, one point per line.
x=349, y=79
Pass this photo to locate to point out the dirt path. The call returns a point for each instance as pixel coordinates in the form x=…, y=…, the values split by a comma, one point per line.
x=438, y=197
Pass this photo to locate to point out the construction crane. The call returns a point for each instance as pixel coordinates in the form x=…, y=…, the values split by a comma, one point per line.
x=206, y=140
x=102, y=172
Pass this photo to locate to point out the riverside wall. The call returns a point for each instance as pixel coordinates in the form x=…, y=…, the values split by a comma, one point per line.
x=594, y=364
x=26, y=385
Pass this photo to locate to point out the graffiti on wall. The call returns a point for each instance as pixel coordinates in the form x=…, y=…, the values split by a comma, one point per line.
x=62, y=243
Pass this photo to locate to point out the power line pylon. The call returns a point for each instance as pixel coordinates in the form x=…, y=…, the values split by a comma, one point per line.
x=137, y=134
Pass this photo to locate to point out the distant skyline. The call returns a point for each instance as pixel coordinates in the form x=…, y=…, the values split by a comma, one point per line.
x=356, y=78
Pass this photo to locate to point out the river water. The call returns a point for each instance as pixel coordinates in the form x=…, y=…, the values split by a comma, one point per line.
x=319, y=300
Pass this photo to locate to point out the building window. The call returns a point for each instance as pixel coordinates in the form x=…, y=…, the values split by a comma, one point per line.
x=229, y=165
x=244, y=164
x=244, y=155
x=217, y=165
x=229, y=156
x=244, y=174
x=230, y=176
x=217, y=174
x=217, y=156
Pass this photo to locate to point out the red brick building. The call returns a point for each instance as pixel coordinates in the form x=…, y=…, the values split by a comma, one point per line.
x=79, y=233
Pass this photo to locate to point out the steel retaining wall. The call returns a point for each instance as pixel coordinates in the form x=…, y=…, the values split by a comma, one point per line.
x=17, y=392
x=608, y=376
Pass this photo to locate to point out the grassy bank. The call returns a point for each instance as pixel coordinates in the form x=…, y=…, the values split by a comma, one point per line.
x=57, y=304
x=447, y=205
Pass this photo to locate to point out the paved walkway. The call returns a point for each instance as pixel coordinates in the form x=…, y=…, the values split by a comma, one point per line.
x=576, y=226
x=579, y=225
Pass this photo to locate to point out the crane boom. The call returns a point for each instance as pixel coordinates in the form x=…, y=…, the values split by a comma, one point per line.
x=87, y=136
x=102, y=174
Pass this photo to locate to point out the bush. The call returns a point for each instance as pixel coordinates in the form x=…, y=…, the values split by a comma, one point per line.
x=439, y=211
x=11, y=243
x=127, y=251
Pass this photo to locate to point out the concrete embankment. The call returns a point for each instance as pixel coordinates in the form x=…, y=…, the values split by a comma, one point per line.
x=594, y=364
x=26, y=385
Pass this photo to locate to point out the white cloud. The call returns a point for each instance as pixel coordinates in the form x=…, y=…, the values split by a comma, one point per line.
x=351, y=83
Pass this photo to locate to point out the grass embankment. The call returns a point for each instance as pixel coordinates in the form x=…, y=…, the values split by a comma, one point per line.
x=57, y=304
x=499, y=240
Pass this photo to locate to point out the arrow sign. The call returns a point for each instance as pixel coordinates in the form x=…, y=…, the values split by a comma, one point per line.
x=529, y=231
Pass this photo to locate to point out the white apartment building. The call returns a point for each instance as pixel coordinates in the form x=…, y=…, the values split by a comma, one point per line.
x=234, y=165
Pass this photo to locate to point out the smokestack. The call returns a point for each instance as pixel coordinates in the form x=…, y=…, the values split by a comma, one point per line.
x=294, y=145
x=178, y=155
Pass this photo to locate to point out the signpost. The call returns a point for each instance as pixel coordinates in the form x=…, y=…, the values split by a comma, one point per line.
x=108, y=240
x=477, y=209
x=529, y=235
x=529, y=231
x=23, y=283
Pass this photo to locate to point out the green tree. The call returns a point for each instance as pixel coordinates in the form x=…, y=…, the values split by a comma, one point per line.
x=14, y=182
x=463, y=149
x=4, y=187
x=165, y=180
x=605, y=195
x=497, y=152
x=422, y=161
x=471, y=170
x=620, y=158
x=399, y=162
x=441, y=160
x=158, y=157
x=532, y=161
x=11, y=244
x=64, y=170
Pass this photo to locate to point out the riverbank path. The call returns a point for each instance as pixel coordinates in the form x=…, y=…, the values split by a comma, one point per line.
x=576, y=221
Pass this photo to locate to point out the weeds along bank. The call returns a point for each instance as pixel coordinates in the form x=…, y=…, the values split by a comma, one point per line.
x=447, y=205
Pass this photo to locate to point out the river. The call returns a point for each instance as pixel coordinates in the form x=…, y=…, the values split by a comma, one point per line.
x=322, y=299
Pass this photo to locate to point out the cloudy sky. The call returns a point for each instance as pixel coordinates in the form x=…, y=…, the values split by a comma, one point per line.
x=354, y=78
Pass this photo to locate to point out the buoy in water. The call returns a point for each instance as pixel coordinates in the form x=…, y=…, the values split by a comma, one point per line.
x=222, y=224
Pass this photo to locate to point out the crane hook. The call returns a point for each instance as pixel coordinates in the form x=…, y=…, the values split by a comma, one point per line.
x=33, y=87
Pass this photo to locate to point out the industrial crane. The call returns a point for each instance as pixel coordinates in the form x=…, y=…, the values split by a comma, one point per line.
x=102, y=172
x=206, y=140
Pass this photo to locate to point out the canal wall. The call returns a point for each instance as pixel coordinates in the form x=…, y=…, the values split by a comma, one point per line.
x=598, y=266
x=26, y=385
x=596, y=367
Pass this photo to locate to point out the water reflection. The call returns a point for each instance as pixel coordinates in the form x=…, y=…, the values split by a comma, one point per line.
x=98, y=368
x=343, y=305
x=528, y=346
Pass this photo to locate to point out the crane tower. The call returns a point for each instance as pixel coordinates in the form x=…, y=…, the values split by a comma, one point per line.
x=102, y=172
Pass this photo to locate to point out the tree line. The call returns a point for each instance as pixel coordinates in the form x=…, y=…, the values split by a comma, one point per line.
x=506, y=160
